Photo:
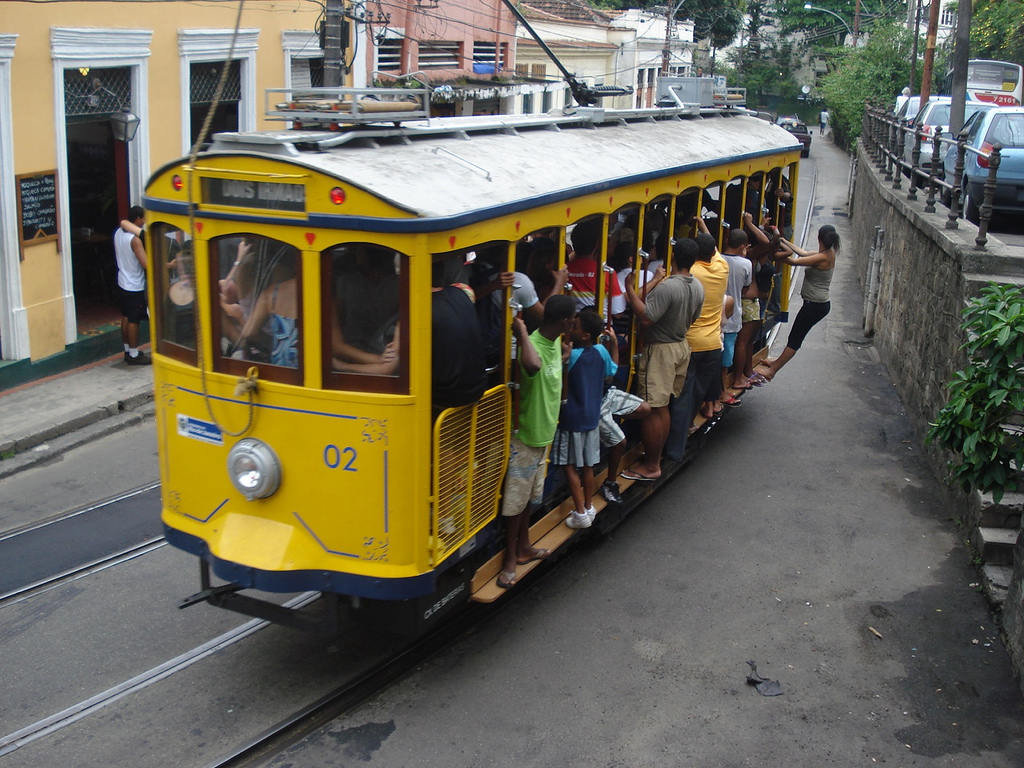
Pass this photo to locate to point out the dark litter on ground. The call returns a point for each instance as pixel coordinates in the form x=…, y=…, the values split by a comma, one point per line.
x=764, y=687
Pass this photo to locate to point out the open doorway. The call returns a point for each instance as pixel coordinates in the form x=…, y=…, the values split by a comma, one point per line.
x=98, y=185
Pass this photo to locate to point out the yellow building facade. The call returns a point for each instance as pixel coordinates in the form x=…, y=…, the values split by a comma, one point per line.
x=67, y=69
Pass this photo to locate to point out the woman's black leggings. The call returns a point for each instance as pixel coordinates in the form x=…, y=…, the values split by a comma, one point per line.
x=808, y=316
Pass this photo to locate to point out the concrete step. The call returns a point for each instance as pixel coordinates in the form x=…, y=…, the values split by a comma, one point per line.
x=996, y=582
x=1004, y=514
x=995, y=545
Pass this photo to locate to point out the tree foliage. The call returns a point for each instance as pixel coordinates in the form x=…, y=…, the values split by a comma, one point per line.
x=717, y=20
x=763, y=63
x=873, y=74
x=981, y=421
x=997, y=30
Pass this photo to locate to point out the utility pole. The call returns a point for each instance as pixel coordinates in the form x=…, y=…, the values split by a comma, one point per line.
x=929, y=53
x=856, y=24
x=332, y=43
x=961, y=55
x=913, y=53
x=666, y=51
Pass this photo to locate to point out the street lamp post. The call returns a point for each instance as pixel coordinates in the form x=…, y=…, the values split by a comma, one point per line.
x=809, y=7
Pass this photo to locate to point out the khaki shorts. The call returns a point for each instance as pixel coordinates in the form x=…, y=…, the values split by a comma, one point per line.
x=663, y=372
x=524, y=480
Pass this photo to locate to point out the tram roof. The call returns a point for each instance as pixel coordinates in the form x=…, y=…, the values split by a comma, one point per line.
x=446, y=167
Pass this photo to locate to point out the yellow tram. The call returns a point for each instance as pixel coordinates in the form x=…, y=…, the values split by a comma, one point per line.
x=290, y=299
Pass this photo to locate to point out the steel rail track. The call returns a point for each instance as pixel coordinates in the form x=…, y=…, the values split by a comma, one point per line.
x=76, y=712
x=347, y=696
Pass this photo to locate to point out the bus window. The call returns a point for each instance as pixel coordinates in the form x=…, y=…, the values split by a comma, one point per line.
x=258, y=317
x=365, y=305
x=175, y=292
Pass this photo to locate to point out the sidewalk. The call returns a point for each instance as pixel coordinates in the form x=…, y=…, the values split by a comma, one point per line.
x=44, y=418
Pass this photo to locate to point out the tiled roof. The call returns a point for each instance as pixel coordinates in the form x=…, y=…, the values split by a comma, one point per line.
x=571, y=10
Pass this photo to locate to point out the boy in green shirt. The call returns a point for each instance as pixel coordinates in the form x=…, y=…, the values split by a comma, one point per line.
x=541, y=356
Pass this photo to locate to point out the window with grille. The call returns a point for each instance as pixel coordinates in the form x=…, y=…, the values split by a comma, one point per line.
x=307, y=73
x=522, y=70
x=389, y=55
x=440, y=55
x=539, y=71
x=203, y=79
x=96, y=95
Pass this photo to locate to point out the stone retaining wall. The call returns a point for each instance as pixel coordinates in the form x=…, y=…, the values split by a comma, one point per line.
x=927, y=274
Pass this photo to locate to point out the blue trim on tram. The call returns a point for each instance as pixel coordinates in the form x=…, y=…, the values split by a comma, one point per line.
x=442, y=224
x=371, y=587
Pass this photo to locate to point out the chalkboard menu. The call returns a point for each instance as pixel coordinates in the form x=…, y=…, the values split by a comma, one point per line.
x=37, y=206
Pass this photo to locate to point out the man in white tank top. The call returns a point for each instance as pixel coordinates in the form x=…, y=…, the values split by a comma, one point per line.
x=131, y=280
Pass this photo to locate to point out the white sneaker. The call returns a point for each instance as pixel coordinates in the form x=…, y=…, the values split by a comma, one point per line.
x=576, y=520
x=591, y=513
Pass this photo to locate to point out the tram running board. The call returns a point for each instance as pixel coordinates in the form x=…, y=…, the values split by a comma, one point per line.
x=550, y=532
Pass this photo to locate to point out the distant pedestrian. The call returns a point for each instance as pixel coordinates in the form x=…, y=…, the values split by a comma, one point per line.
x=131, y=282
x=822, y=122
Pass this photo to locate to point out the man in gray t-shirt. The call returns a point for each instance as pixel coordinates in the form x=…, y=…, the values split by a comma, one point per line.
x=671, y=307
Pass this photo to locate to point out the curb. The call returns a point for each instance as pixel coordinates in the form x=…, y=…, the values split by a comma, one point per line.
x=98, y=422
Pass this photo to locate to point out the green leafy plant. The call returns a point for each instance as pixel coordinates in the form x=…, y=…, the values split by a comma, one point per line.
x=982, y=421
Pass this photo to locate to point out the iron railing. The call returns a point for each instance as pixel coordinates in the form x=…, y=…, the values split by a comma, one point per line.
x=902, y=152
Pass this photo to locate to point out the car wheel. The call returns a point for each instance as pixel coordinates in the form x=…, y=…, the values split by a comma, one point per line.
x=970, y=208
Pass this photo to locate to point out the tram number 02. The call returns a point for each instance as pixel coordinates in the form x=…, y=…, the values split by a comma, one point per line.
x=344, y=458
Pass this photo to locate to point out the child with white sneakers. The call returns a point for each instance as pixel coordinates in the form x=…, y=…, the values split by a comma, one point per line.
x=577, y=441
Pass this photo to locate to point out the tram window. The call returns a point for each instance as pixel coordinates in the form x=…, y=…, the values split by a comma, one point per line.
x=365, y=303
x=733, y=218
x=172, y=273
x=687, y=207
x=588, y=260
x=259, y=308
x=541, y=256
x=711, y=210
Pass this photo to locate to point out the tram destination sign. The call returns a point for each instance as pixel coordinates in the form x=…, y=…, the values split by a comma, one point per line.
x=248, y=193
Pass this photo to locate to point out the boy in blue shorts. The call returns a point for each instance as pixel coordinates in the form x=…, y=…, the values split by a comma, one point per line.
x=578, y=441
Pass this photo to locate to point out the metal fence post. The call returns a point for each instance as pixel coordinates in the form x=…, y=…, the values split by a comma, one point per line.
x=933, y=180
x=985, y=218
x=956, y=193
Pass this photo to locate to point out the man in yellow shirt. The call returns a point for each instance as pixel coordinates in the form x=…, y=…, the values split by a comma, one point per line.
x=704, y=374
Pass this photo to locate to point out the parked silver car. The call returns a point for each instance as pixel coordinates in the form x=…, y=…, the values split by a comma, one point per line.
x=935, y=114
x=1002, y=125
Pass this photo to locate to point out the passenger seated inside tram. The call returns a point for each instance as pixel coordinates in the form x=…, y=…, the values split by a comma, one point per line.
x=365, y=327
x=275, y=313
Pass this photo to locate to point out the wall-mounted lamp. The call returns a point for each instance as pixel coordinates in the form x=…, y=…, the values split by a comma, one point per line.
x=84, y=71
x=124, y=124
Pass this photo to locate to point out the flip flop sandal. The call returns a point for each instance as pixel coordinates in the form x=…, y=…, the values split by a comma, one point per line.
x=509, y=582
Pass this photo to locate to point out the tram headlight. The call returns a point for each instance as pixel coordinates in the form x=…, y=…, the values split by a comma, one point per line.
x=254, y=468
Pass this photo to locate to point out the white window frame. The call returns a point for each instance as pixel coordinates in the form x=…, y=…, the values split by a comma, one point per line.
x=71, y=48
x=298, y=44
x=201, y=45
x=13, y=317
